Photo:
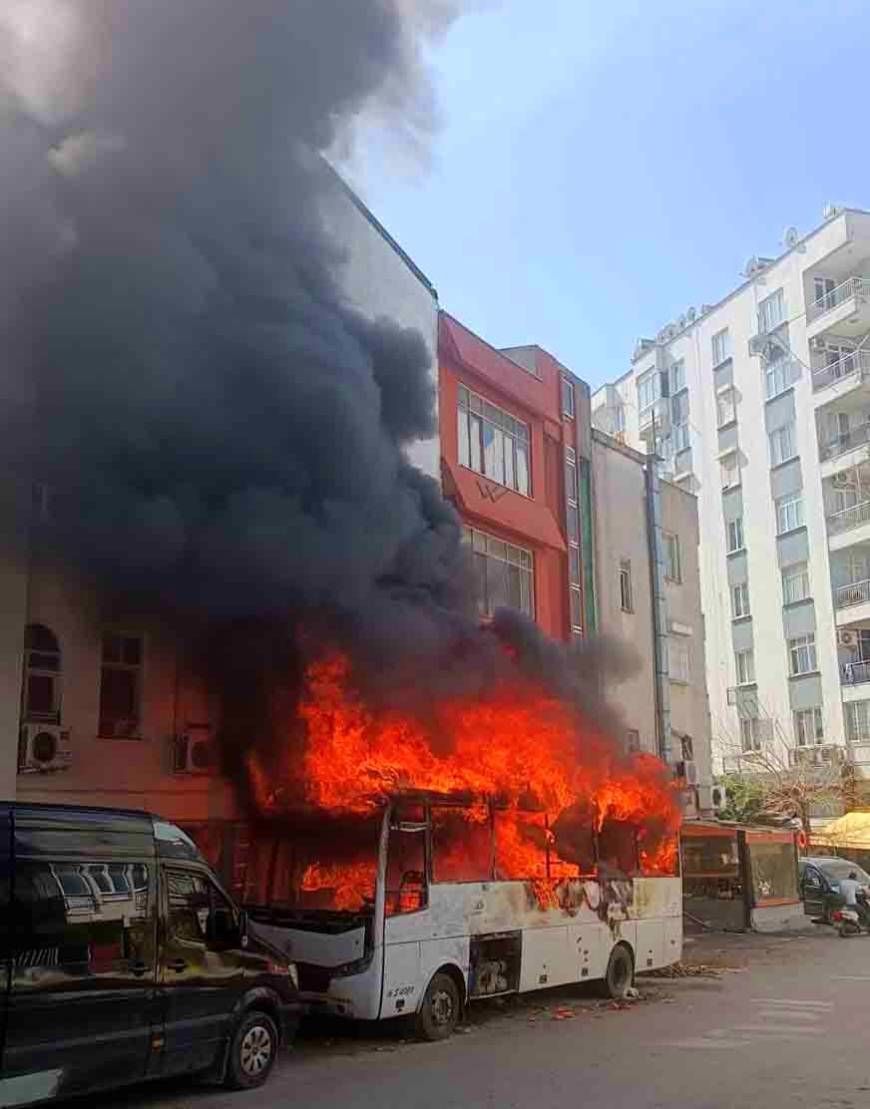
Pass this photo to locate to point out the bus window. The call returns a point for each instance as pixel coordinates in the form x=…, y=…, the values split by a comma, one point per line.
x=406, y=890
x=617, y=849
x=572, y=850
x=461, y=844
x=520, y=845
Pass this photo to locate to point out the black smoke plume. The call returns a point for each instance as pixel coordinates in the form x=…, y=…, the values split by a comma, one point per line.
x=223, y=433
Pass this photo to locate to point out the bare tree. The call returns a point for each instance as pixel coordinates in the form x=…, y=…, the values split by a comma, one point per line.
x=786, y=782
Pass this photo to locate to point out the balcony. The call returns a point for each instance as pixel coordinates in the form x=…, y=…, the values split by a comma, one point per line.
x=847, y=374
x=655, y=419
x=845, y=309
x=855, y=593
x=820, y=754
x=850, y=526
x=844, y=451
x=853, y=677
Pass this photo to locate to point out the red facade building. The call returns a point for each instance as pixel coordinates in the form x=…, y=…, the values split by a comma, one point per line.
x=514, y=458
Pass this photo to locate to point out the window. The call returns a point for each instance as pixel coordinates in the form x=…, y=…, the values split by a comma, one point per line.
x=678, y=376
x=789, y=512
x=771, y=312
x=504, y=573
x=823, y=290
x=782, y=444
x=808, y=727
x=726, y=410
x=735, y=535
x=678, y=660
x=802, y=654
x=647, y=391
x=680, y=408
x=571, y=487
x=567, y=397
x=857, y=720
x=120, y=686
x=625, y=586
x=740, y=600
x=795, y=583
x=198, y=911
x=618, y=420
x=681, y=437
x=744, y=662
x=673, y=570
x=721, y=346
x=730, y=470
x=632, y=740
x=492, y=442
x=42, y=674
x=576, y=599
x=750, y=735
x=778, y=376
x=405, y=878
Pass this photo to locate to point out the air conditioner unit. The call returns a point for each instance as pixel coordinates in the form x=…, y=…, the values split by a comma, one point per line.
x=687, y=771
x=817, y=343
x=195, y=751
x=719, y=796
x=847, y=638
x=758, y=345
x=43, y=748
x=842, y=480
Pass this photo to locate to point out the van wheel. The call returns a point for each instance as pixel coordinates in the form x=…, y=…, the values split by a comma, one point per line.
x=620, y=973
x=252, y=1051
x=439, y=1013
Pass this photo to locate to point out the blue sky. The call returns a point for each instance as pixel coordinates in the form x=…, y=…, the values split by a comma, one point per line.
x=604, y=166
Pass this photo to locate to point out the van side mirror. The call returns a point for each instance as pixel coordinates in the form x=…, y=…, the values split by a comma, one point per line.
x=243, y=928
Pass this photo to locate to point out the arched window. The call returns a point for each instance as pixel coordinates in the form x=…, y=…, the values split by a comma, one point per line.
x=42, y=674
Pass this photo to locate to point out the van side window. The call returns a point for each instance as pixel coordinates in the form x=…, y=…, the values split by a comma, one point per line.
x=198, y=911
x=812, y=878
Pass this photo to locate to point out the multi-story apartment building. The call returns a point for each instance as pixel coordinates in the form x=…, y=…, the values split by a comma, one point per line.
x=760, y=405
x=575, y=529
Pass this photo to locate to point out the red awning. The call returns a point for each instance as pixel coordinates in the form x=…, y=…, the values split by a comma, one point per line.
x=491, y=503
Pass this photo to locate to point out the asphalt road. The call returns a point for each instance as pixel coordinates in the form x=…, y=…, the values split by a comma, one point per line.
x=784, y=1026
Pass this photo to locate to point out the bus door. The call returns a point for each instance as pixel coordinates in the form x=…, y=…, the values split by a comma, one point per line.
x=406, y=899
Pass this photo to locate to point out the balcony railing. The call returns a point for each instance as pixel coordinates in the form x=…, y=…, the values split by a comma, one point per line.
x=819, y=754
x=827, y=302
x=849, y=518
x=855, y=363
x=845, y=442
x=855, y=673
x=855, y=593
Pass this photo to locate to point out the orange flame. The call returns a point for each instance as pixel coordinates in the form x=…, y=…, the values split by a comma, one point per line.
x=518, y=745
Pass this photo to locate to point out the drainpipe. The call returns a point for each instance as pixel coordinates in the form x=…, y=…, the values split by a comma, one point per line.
x=659, y=608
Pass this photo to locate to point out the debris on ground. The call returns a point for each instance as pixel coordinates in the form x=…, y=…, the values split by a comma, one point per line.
x=686, y=970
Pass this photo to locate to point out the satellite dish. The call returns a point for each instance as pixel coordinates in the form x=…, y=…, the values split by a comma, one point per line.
x=791, y=237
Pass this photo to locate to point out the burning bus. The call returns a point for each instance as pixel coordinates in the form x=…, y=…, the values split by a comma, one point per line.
x=407, y=874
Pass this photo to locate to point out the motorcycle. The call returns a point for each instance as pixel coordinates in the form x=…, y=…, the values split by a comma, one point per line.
x=850, y=922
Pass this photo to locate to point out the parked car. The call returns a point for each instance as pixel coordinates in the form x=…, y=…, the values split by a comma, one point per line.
x=820, y=879
x=124, y=959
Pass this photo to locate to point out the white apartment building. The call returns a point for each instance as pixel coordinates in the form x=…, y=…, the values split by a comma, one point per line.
x=760, y=405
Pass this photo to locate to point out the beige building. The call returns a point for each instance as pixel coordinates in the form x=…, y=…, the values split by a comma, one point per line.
x=649, y=599
x=103, y=705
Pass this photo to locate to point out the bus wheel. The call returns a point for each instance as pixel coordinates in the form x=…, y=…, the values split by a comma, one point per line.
x=439, y=1013
x=620, y=973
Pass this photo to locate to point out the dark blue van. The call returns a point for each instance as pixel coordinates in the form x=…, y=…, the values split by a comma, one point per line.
x=124, y=959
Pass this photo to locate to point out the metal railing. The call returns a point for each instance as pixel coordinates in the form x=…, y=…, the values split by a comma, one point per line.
x=856, y=362
x=855, y=673
x=827, y=302
x=817, y=754
x=844, y=442
x=849, y=518
x=855, y=593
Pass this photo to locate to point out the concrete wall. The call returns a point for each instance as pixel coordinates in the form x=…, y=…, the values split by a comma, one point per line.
x=619, y=511
x=381, y=280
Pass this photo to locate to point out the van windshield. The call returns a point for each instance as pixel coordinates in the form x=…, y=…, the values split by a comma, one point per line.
x=174, y=844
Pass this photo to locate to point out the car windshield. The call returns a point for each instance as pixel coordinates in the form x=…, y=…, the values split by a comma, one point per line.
x=837, y=869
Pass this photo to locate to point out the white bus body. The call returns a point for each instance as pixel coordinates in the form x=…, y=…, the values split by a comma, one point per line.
x=491, y=937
